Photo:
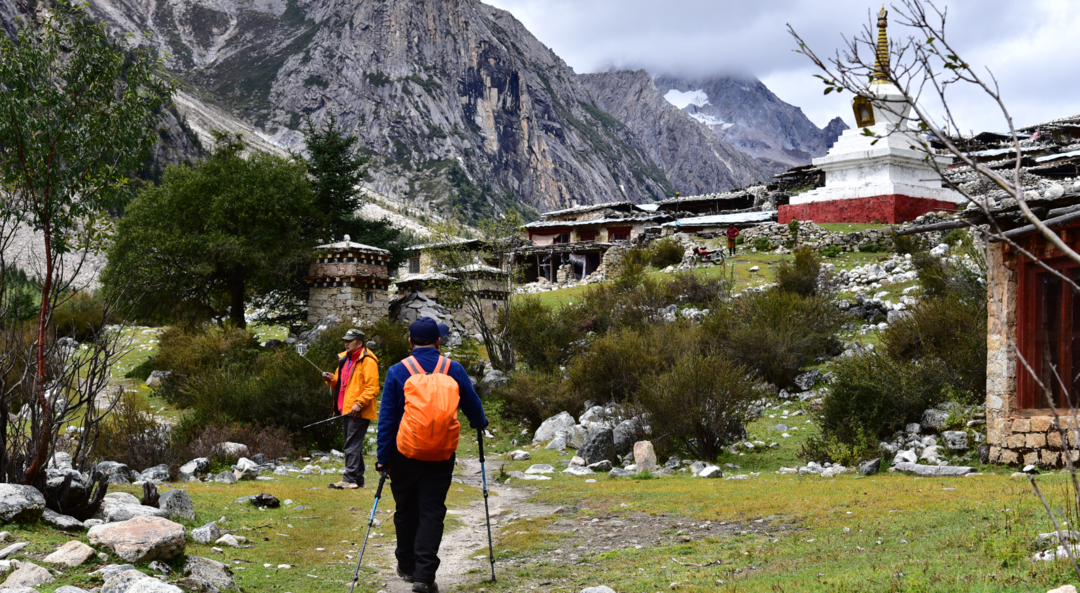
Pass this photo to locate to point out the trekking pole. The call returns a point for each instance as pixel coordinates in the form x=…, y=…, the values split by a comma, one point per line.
x=324, y=421
x=487, y=514
x=371, y=521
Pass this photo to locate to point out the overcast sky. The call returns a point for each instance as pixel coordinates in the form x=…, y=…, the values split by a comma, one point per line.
x=1028, y=44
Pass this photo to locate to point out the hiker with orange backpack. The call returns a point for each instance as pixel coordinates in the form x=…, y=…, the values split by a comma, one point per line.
x=418, y=435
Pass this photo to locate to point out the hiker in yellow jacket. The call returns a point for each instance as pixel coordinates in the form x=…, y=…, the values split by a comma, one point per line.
x=354, y=385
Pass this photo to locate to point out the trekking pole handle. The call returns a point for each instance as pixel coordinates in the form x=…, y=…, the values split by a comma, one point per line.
x=382, y=480
x=480, y=441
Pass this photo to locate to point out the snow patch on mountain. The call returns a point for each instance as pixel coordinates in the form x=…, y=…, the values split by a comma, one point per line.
x=681, y=99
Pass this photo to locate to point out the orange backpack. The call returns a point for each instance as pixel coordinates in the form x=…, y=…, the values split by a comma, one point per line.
x=429, y=428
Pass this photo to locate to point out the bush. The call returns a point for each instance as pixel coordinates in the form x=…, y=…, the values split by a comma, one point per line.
x=188, y=351
x=388, y=339
x=774, y=333
x=21, y=297
x=762, y=244
x=699, y=405
x=613, y=367
x=874, y=247
x=540, y=336
x=832, y=251
x=80, y=316
x=132, y=435
x=957, y=238
x=872, y=396
x=801, y=276
x=694, y=289
x=904, y=244
x=534, y=396
x=740, y=240
x=666, y=252
x=271, y=441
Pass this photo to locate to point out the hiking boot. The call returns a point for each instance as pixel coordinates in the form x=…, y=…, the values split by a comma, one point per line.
x=425, y=588
x=404, y=576
x=343, y=485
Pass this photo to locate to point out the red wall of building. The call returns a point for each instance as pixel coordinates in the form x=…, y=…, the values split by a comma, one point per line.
x=889, y=209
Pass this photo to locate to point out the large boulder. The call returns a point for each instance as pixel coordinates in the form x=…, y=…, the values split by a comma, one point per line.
x=118, y=473
x=158, y=473
x=141, y=539
x=118, y=513
x=156, y=378
x=121, y=498
x=955, y=440
x=207, y=533
x=22, y=504
x=73, y=553
x=28, y=575
x=644, y=456
x=133, y=581
x=208, y=571
x=625, y=434
x=934, y=420
x=195, y=467
x=806, y=381
x=493, y=380
x=599, y=447
x=562, y=421
x=230, y=451
x=933, y=471
x=178, y=504
x=62, y=521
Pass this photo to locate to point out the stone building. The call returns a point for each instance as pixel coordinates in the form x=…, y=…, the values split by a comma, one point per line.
x=350, y=280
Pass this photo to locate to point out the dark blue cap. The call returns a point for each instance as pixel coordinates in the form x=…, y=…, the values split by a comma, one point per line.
x=427, y=329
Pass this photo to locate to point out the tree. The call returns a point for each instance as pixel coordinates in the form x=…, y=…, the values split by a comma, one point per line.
x=475, y=271
x=336, y=174
x=76, y=113
x=214, y=235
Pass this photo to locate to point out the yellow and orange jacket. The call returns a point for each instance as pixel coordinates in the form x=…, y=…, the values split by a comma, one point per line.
x=362, y=387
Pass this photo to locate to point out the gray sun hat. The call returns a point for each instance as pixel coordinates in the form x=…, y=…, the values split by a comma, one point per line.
x=354, y=334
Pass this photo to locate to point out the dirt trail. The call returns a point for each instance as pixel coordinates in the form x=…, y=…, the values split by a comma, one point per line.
x=461, y=545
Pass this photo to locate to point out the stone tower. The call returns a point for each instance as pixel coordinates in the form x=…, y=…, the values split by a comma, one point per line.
x=349, y=280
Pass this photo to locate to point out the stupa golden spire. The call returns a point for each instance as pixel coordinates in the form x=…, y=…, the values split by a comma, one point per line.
x=881, y=59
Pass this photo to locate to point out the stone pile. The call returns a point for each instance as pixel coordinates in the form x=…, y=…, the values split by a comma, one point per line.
x=929, y=442
x=415, y=305
x=896, y=269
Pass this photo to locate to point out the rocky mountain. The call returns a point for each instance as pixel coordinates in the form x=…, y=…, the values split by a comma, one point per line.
x=694, y=159
x=746, y=114
x=458, y=105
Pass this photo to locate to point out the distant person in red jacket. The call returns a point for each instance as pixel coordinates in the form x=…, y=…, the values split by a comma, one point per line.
x=732, y=233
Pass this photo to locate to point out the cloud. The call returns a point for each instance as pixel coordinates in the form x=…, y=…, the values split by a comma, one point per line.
x=1026, y=45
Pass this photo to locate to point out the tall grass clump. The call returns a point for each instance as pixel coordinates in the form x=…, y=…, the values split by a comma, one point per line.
x=801, y=276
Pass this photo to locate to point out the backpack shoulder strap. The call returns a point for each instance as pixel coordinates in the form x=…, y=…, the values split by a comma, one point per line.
x=413, y=366
x=443, y=366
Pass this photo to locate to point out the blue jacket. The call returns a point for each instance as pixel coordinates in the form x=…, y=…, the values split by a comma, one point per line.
x=393, y=399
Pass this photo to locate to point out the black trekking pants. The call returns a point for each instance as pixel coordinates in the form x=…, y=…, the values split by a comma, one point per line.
x=355, y=433
x=419, y=489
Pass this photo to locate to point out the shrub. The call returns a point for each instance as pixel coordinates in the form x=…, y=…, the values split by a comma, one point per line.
x=694, y=289
x=534, y=396
x=774, y=333
x=388, y=339
x=80, y=316
x=21, y=296
x=613, y=367
x=740, y=240
x=637, y=256
x=957, y=238
x=873, y=247
x=832, y=251
x=132, y=435
x=793, y=228
x=904, y=244
x=666, y=252
x=801, y=276
x=946, y=329
x=271, y=441
x=762, y=244
x=698, y=405
x=539, y=335
x=872, y=396
x=187, y=351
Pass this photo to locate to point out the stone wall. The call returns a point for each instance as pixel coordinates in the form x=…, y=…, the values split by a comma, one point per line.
x=349, y=302
x=815, y=236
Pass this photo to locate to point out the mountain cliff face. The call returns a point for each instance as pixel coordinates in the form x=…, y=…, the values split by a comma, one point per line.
x=695, y=160
x=457, y=104
x=745, y=113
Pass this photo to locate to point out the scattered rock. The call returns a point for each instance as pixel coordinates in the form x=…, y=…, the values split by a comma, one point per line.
x=229, y=451
x=20, y=504
x=177, y=503
x=600, y=589
x=540, y=468
x=225, y=477
x=118, y=473
x=108, y=571
x=121, y=498
x=1063, y=589
x=12, y=549
x=807, y=380
x=246, y=469
x=196, y=467
x=62, y=521
x=955, y=440
x=869, y=468
x=520, y=455
x=933, y=470
x=711, y=471
x=156, y=378
x=158, y=473
x=600, y=446
x=905, y=456
x=28, y=575
x=229, y=539
x=265, y=500
x=73, y=553
x=563, y=421
x=600, y=466
x=577, y=470
x=780, y=428
x=116, y=513
x=934, y=420
x=206, y=534
x=644, y=456
x=618, y=472
x=209, y=571
x=140, y=539
x=625, y=434
x=133, y=581
x=70, y=589
x=575, y=460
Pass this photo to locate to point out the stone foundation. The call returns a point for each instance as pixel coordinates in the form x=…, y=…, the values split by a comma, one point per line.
x=349, y=302
x=889, y=209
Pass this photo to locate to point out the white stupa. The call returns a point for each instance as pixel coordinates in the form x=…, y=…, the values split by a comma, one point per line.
x=881, y=178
